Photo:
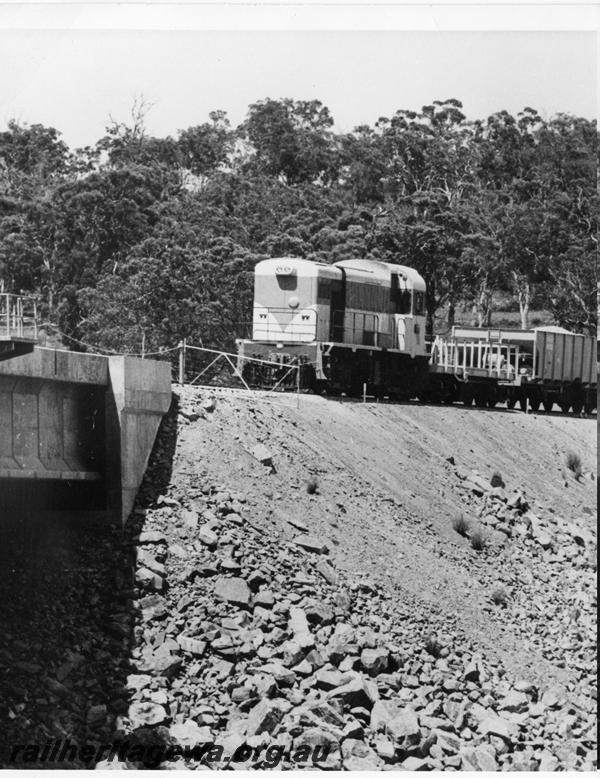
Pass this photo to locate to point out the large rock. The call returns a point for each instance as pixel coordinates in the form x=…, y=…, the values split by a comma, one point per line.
x=481, y=759
x=311, y=543
x=153, y=607
x=514, y=702
x=146, y=714
x=148, y=579
x=321, y=747
x=329, y=678
x=375, y=660
x=191, y=645
x=261, y=453
x=208, y=536
x=382, y=713
x=233, y=590
x=265, y=716
x=496, y=725
x=357, y=755
x=189, y=733
x=160, y=662
x=318, y=612
x=326, y=570
x=357, y=693
x=404, y=729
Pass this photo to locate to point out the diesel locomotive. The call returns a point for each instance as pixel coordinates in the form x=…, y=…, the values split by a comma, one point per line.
x=358, y=326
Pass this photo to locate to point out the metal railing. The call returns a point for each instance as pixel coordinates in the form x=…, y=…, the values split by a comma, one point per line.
x=361, y=329
x=490, y=359
x=18, y=317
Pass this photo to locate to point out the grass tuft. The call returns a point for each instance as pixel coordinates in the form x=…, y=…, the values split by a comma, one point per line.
x=497, y=480
x=433, y=646
x=478, y=540
x=460, y=525
x=573, y=461
x=312, y=485
x=499, y=596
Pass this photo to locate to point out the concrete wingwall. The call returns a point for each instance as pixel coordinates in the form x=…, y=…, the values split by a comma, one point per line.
x=67, y=417
x=139, y=395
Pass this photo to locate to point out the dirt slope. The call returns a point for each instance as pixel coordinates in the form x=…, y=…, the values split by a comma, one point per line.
x=241, y=609
x=388, y=494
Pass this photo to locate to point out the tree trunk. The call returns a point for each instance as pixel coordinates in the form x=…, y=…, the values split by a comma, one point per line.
x=451, y=315
x=482, y=307
x=523, y=288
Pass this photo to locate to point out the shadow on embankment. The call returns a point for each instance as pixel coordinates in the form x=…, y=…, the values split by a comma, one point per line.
x=67, y=592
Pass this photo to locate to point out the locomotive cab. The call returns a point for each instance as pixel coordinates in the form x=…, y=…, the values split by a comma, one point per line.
x=288, y=302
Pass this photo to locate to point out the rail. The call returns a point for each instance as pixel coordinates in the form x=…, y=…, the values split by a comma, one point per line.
x=18, y=317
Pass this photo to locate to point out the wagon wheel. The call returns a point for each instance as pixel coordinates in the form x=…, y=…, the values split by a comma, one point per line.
x=511, y=402
x=577, y=407
x=481, y=397
x=548, y=405
x=534, y=405
x=467, y=395
x=564, y=406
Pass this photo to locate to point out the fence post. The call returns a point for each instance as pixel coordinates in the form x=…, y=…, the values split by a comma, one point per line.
x=298, y=385
x=364, y=393
x=181, y=361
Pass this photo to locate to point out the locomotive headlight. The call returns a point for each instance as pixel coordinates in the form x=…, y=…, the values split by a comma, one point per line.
x=293, y=302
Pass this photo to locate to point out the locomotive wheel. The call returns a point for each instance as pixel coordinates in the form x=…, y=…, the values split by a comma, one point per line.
x=548, y=404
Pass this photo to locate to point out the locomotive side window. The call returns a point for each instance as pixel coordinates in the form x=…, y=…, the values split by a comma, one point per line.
x=419, y=304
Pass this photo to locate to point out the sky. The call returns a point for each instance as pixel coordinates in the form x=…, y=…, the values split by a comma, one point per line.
x=75, y=80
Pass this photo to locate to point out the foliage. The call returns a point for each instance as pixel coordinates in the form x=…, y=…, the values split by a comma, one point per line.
x=460, y=525
x=147, y=239
x=477, y=540
x=573, y=462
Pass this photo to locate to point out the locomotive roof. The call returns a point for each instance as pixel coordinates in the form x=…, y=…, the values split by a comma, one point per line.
x=380, y=271
x=370, y=270
x=308, y=266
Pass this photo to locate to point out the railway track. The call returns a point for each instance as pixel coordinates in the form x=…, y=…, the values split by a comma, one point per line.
x=502, y=407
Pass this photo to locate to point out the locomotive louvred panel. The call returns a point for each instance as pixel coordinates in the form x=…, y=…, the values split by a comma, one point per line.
x=367, y=297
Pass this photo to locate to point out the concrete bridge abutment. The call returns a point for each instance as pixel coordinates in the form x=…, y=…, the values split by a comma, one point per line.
x=76, y=430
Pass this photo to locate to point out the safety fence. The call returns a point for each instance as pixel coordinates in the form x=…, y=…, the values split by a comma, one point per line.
x=203, y=366
x=18, y=317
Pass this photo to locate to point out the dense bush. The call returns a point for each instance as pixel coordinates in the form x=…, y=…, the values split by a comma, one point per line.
x=142, y=240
